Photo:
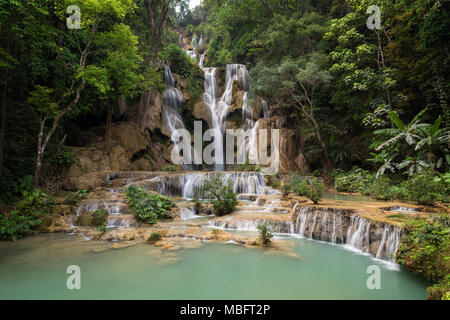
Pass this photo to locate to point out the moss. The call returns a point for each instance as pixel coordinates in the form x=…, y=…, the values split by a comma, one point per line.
x=154, y=237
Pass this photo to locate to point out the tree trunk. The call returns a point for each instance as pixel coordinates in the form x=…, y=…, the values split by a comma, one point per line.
x=3, y=123
x=151, y=7
x=108, y=131
x=162, y=20
x=40, y=152
x=327, y=164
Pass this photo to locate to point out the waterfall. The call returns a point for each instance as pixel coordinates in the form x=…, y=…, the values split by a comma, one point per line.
x=172, y=109
x=356, y=232
x=242, y=182
x=191, y=54
x=194, y=42
x=389, y=243
x=283, y=227
x=265, y=108
x=209, y=98
x=202, y=60
x=219, y=109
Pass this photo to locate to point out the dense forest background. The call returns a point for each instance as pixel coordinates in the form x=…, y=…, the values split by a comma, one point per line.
x=373, y=98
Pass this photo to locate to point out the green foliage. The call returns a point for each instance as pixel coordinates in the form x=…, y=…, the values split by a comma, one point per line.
x=418, y=146
x=154, y=237
x=76, y=197
x=148, y=207
x=425, y=250
x=170, y=168
x=26, y=217
x=312, y=188
x=355, y=181
x=264, y=234
x=181, y=64
x=382, y=189
x=427, y=189
x=64, y=158
x=246, y=167
x=220, y=195
x=286, y=189
x=99, y=217
x=273, y=182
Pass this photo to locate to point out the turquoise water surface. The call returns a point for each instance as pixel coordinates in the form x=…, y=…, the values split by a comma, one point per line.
x=34, y=268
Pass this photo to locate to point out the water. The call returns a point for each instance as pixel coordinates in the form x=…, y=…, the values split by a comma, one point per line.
x=219, y=109
x=34, y=268
x=347, y=197
x=172, y=109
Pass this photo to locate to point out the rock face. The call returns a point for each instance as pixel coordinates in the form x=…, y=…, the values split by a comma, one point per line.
x=147, y=113
x=131, y=150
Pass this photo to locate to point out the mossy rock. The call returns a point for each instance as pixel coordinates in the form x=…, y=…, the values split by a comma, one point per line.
x=96, y=218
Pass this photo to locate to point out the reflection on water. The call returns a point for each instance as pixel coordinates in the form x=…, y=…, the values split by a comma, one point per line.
x=347, y=197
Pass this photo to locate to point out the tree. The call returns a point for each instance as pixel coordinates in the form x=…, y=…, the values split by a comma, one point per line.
x=302, y=81
x=117, y=73
x=158, y=12
x=54, y=107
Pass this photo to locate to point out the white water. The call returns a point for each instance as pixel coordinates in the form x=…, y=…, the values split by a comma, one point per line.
x=265, y=107
x=172, y=108
x=242, y=182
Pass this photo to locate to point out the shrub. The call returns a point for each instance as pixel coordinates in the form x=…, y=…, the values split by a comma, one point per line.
x=220, y=195
x=357, y=180
x=273, y=182
x=180, y=62
x=154, y=237
x=76, y=197
x=101, y=229
x=381, y=189
x=99, y=217
x=147, y=207
x=313, y=189
x=170, y=168
x=426, y=189
x=264, y=234
x=63, y=158
x=425, y=250
x=248, y=167
x=286, y=189
x=26, y=217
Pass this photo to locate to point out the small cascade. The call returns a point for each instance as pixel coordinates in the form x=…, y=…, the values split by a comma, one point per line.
x=122, y=221
x=202, y=60
x=188, y=213
x=348, y=228
x=247, y=113
x=191, y=54
x=194, y=42
x=265, y=108
x=283, y=227
x=389, y=244
x=242, y=182
x=358, y=234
